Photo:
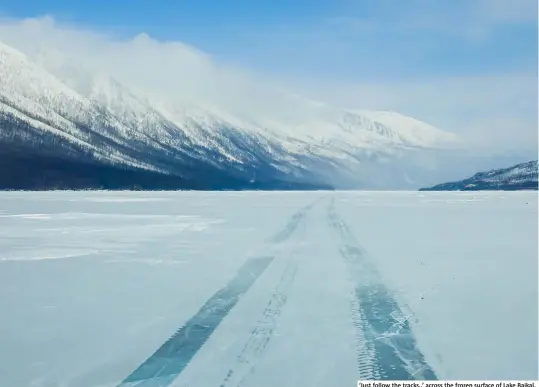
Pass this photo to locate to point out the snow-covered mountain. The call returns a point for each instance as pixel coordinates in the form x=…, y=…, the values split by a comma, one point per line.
x=518, y=177
x=70, y=115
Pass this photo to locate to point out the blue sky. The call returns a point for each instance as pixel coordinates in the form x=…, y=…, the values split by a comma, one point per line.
x=348, y=39
x=467, y=66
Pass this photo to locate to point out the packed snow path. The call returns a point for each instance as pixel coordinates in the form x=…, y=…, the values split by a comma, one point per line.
x=303, y=302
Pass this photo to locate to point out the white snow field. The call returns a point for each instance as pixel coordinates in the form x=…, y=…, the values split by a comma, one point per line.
x=264, y=289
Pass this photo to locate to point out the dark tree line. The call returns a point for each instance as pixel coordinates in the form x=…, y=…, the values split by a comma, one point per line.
x=34, y=159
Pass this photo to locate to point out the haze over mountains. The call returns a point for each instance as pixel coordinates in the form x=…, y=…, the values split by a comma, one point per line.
x=63, y=125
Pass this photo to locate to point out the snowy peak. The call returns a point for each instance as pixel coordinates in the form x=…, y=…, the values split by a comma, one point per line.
x=23, y=82
x=289, y=138
x=412, y=131
x=294, y=120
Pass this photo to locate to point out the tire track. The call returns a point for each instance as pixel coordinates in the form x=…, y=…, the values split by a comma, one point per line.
x=386, y=346
x=262, y=332
x=161, y=368
x=167, y=363
x=293, y=223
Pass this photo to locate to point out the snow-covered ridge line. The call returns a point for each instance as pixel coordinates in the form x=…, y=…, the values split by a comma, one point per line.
x=522, y=176
x=308, y=141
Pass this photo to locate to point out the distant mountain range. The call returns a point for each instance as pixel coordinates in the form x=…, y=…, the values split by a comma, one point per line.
x=65, y=127
x=518, y=177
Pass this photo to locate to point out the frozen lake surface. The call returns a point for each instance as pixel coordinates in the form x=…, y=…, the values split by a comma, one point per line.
x=259, y=289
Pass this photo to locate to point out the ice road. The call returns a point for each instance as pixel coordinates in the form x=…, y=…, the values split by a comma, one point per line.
x=228, y=289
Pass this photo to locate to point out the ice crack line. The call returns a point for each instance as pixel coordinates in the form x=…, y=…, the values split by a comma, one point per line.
x=386, y=346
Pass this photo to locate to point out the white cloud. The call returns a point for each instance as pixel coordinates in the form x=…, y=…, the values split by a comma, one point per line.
x=491, y=112
x=169, y=68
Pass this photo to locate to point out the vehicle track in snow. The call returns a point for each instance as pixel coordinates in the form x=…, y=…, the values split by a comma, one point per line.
x=386, y=346
x=262, y=331
x=264, y=328
x=167, y=363
x=161, y=368
x=293, y=223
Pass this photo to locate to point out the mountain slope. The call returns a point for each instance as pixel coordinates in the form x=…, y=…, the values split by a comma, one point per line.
x=518, y=177
x=66, y=112
x=46, y=118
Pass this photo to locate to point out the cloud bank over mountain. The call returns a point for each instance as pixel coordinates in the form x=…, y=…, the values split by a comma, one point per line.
x=491, y=112
x=315, y=124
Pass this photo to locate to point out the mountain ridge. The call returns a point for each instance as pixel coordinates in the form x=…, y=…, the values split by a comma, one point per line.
x=521, y=176
x=85, y=115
